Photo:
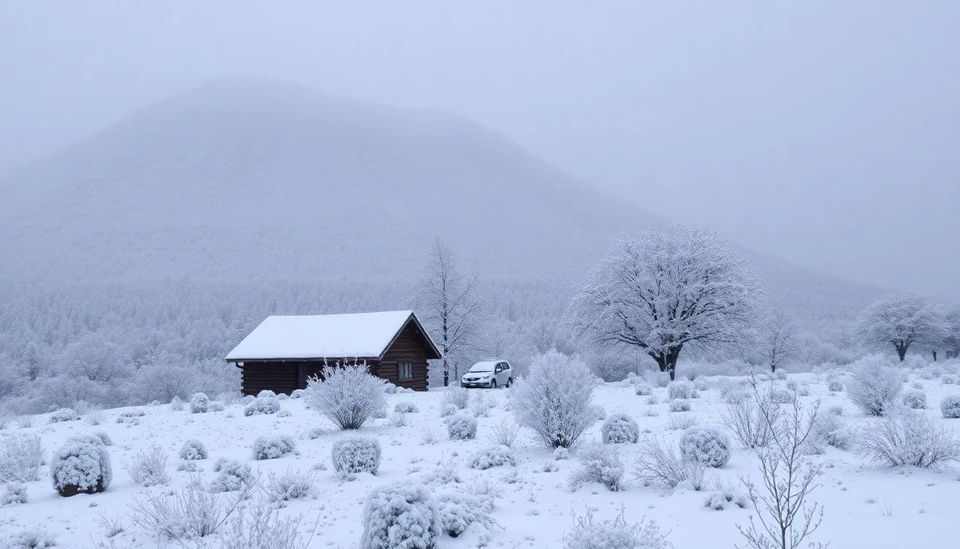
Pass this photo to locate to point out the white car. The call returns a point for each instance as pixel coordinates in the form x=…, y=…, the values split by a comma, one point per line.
x=489, y=373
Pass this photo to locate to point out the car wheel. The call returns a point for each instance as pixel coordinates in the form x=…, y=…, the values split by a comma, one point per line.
x=509, y=382
x=493, y=384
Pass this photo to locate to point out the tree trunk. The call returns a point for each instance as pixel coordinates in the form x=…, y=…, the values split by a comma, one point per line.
x=934, y=353
x=901, y=350
x=667, y=360
x=446, y=372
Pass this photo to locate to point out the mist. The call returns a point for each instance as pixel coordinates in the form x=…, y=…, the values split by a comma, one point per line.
x=824, y=134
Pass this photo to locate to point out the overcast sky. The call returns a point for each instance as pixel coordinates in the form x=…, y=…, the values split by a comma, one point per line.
x=824, y=132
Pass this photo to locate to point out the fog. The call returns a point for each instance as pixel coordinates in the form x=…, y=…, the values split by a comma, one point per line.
x=824, y=133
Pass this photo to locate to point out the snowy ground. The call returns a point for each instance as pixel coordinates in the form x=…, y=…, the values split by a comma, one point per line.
x=865, y=505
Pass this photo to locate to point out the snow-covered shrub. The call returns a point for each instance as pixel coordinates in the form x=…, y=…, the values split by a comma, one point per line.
x=718, y=501
x=561, y=453
x=297, y=394
x=680, y=389
x=187, y=467
x=619, y=429
x=461, y=427
x=284, y=413
x=598, y=412
x=950, y=406
x=94, y=416
x=828, y=430
x=130, y=417
x=20, y=458
x=63, y=415
x=32, y=539
x=193, y=450
x=266, y=393
x=874, y=385
x=398, y=516
x=379, y=413
x=148, y=467
x=14, y=494
x=262, y=405
x=588, y=533
x=347, y=395
x=199, y=404
x=752, y=422
x=504, y=434
x=657, y=464
x=448, y=410
x=835, y=410
x=232, y=476
x=273, y=447
x=682, y=422
x=289, y=486
x=495, y=456
x=406, y=408
x=656, y=378
x=781, y=396
x=906, y=437
x=356, y=454
x=948, y=379
x=458, y=397
x=191, y=512
x=481, y=405
x=643, y=389
x=260, y=526
x=599, y=463
x=914, y=399
x=81, y=467
x=553, y=400
x=835, y=385
x=707, y=445
x=176, y=404
x=679, y=406
x=398, y=419
x=459, y=511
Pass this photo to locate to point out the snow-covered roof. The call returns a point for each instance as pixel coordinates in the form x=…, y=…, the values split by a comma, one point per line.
x=360, y=335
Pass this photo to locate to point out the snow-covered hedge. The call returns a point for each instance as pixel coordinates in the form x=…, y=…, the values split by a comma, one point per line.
x=914, y=399
x=718, y=501
x=356, y=454
x=461, y=427
x=874, y=385
x=399, y=516
x=63, y=415
x=199, y=403
x=616, y=533
x=620, y=429
x=459, y=511
x=950, y=406
x=554, y=399
x=348, y=396
x=706, y=445
x=679, y=406
x=262, y=405
x=601, y=464
x=232, y=476
x=81, y=467
x=193, y=450
x=273, y=447
x=406, y=408
x=494, y=456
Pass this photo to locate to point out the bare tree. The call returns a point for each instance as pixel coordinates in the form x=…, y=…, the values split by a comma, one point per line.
x=779, y=338
x=450, y=308
x=666, y=290
x=902, y=321
x=785, y=517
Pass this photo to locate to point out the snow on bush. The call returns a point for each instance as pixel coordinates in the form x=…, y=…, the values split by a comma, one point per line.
x=679, y=406
x=14, y=494
x=356, y=454
x=232, y=476
x=148, y=467
x=297, y=394
x=914, y=399
x=32, y=539
x=199, y=404
x=457, y=397
x=643, y=389
x=599, y=412
x=346, y=395
x=680, y=389
x=289, y=486
x=190, y=513
x=406, y=408
x=193, y=450
x=461, y=427
x=63, y=415
x=835, y=385
x=262, y=405
x=657, y=464
x=615, y=533
x=400, y=516
x=718, y=501
x=553, y=400
x=828, y=430
x=950, y=406
x=906, y=437
x=20, y=458
x=874, y=385
x=656, y=378
x=176, y=404
x=504, y=434
x=706, y=445
x=448, y=410
x=752, y=422
x=81, y=467
x=266, y=393
x=781, y=396
x=260, y=526
x=459, y=511
x=601, y=464
x=273, y=447
x=619, y=429
x=560, y=454
x=495, y=456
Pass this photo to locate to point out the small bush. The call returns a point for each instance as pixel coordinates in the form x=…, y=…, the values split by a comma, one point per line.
x=348, y=396
x=706, y=445
x=504, y=434
x=63, y=415
x=398, y=420
x=193, y=450
x=494, y=456
x=554, y=399
x=459, y=511
x=835, y=385
x=261, y=527
x=718, y=501
x=914, y=399
x=14, y=494
x=588, y=533
x=148, y=467
x=682, y=422
x=81, y=467
x=656, y=464
x=262, y=405
x=20, y=458
x=680, y=389
x=643, y=389
x=296, y=394
x=619, y=429
x=908, y=438
x=874, y=385
x=679, y=406
x=32, y=539
x=461, y=427
x=406, y=408
x=273, y=447
x=457, y=397
x=781, y=396
x=598, y=412
x=400, y=516
x=828, y=430
x=352, y=455
x=560, y=454
x=835, y=410
x=950, y=406
x=187, y=467
x=748, y=421
x=601, y=464
x=289, y=486
x=232, y=476
x=199, y=404
x=190, y=513
x=657, y=379
x=176, y=404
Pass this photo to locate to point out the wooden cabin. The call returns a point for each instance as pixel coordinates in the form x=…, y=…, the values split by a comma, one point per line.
x=283, y=352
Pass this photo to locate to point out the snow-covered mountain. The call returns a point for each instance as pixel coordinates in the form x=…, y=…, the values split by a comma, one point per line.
x=241, y=180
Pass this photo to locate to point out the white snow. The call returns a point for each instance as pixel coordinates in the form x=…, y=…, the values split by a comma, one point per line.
x=357, y=335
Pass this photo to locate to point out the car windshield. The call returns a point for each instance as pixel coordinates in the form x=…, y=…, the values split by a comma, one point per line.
x=481, y=368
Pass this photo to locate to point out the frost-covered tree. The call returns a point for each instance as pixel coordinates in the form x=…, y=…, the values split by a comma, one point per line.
x=449, y=306
x=902, y=321
x=670, y=288
x=347, y=395
x=951, y=341
x=778, y=337
x=553, y=400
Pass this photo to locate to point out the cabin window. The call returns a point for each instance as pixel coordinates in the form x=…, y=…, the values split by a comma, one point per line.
x=405, y=369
